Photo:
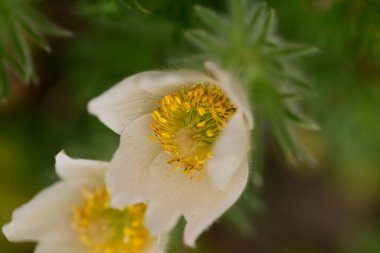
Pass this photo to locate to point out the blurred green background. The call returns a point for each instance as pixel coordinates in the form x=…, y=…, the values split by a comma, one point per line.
x=334, y=207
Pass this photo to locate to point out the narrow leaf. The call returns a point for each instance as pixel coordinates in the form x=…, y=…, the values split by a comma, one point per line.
x=302, y=84
x=36, y=36
x=22, y=54
x=15, y=65
x=140, y=7
x=210, y=18
x=294, y=51
x=301, y=120
x=267, y=26
x=238, y=8
x=254, y=17
x=205, y=40
x=45, y=25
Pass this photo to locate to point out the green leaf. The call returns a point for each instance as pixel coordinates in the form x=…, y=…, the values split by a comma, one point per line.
x=213, y=20
x=268, y=25
x=301, y=120
x=45, y=25
x=294, y=51
x=205, y=40
x=20, y=23
x=301, y=84
x=36, y=36
x=18, y=44
x=237, y=9
x=254, y=17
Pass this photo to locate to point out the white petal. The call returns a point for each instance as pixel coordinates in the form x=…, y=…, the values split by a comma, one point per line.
x=201, y=216
x=169, y=81
x=61, y=239
x=170, y=192
x=229, y=151
x=36, y=218
x=233, y=89
x=69, y=168
x=162, y=215
x=126, y=101
x=49, y=246
x=127, y=177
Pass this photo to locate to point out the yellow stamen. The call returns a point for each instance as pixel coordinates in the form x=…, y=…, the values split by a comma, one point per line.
x=178, y=100
x=210, y=133
x=106, y=230
x=188, y=122
x=201, y=111
x=201, y=124
x=163, y=120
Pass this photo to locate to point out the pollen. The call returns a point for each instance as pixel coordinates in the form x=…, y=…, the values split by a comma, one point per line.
x=188, y=122
x=103, y=229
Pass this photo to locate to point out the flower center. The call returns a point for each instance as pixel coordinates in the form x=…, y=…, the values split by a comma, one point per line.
x=188, y=122
x=106, y=230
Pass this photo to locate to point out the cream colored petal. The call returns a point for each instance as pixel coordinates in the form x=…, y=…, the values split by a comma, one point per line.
x=126, y=101
x=229, y=151
x=162, y=214
x=233, y=88
x=69, y=168
x=127, y=178
x=59, y=246
x=61, y=239
x=170, y=195
x=35, y=219
x=169, y=81
x=203, y=214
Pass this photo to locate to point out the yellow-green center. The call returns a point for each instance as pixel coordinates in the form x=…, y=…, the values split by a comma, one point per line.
x=103, y=229
x=188, y=122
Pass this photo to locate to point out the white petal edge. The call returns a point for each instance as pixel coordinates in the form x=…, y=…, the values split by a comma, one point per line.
x=70, y=168
x=162, y=215
x=233, y=89
x=36, y=218
x=126, y=101
x=170, y=81
x=229, y=151
x=127, y=178
x=203, y=217
x=171, y=189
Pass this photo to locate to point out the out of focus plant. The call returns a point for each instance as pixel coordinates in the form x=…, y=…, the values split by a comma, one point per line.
x=110, y=7
x=245, y=42
x=20, y=23
x=130, y=4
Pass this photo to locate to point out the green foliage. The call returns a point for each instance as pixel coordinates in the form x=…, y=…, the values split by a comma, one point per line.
x=245, y=43
x=130, y=4
x=19, y=24
x=110, y=7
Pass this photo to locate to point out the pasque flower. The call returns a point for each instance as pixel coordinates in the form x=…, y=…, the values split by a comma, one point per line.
x=74, y=215
x=185, y=139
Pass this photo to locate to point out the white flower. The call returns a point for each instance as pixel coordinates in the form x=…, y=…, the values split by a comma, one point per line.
x=74, y=216
x=185, y=139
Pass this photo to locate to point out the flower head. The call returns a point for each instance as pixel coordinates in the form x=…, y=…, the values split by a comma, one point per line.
x=184, y=145
x=74, y=215
x=188, y=122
